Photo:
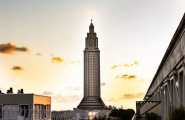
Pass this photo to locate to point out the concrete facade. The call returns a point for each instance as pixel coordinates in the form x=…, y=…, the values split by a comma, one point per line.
x=25, y=107
x=168, y=84
x=92, y=98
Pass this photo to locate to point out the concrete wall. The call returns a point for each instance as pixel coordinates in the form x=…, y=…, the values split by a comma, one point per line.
x=38, y=99
x=16, y=98
x=168, y=85
x=171, y=62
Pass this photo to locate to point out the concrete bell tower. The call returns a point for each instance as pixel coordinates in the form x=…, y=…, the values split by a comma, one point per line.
x=92, y=97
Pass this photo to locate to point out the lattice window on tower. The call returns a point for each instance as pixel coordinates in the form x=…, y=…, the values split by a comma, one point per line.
x=96, y=42
x=91, y=43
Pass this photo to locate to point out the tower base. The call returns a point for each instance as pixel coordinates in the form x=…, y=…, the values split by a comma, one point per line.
x=92, y=103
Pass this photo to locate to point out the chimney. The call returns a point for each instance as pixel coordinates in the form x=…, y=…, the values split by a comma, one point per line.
x=22, y=92
x=11, y=90
x=8, y=91
x=18, y=92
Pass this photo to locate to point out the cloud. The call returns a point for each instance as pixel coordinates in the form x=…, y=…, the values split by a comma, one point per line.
x=113, y=99
x=136, y=63
x=39, y=54
x=22, y=49
x=74, y=88
x=67, y=98
x=57, y=59
x=125, y=65
x=47, y=93
x=113, y=67
x=103, y=84
x=126, y=77
x=133, y=96
x=128, y=65
x=75, y=62
x=1, y=89
x=89, y=10
x=9, y=48
x=70, y=62
x=17, y=68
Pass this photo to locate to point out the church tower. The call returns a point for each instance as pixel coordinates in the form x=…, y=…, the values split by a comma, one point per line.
x=92, y=97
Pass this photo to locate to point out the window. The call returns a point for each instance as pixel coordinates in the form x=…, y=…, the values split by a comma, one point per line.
x=43, y=111
x=24, y=110
x=181, y=87
x=1, y=111
x=48, y=110
x=36, y=111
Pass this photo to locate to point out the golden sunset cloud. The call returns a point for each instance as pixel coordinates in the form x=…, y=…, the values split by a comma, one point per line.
x=103, y=84
x=39, y=54
x=136, y=62
x=9, y=48
x=66, y=98
x=113, y=67
x=133, y=96
x=47, y=93
x=125, y=65
x=17, y=68
x=126, y=77
x=57, y=59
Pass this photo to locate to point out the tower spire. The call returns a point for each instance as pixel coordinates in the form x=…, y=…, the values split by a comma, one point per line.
x=91, y=27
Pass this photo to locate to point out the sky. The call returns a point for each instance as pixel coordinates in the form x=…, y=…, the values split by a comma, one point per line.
x=42, y=43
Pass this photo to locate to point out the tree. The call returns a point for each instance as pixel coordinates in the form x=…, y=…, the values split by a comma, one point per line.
x=178, y=114
x=152, y=116
x=123, y=114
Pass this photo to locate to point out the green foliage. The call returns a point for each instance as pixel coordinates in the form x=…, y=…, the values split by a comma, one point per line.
x=111, y=107
x=178, y=114
x=152, y=116
x=122, y=114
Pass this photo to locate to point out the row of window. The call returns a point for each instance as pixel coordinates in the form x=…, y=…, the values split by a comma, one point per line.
x=42, y=111
x=6, y=110
x=92, y=43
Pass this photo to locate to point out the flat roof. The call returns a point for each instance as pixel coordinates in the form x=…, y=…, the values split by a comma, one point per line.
x=24, y=99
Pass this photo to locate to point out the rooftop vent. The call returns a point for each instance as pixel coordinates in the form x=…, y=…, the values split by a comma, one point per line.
x=20, y=91
x=10, y=91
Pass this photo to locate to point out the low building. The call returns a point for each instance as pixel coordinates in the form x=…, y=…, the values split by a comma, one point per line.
x=63, y=115
x=167, y=90
x=78, y=114
x=24, y=107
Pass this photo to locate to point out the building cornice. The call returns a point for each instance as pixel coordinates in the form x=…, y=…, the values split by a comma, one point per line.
x=174, y=41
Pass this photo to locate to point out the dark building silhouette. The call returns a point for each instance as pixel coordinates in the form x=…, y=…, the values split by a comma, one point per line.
x=92, y=98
